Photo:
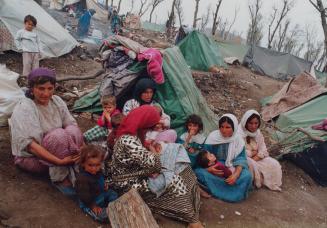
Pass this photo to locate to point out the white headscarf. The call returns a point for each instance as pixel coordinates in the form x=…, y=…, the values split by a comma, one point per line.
x=257, y=135
x=236, y=142
x=242, y=128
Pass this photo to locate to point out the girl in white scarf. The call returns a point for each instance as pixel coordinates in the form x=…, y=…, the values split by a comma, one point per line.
x=265, y=170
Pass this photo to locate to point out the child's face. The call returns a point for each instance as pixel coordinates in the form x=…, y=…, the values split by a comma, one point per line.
x=226, y=130
x=92, y=165
x=109, y=108
x=193, y=128
x=158, y=127
x=157, y=147
x=253, y=125
x=147, y=95
x=211, y=158
x=29, y=26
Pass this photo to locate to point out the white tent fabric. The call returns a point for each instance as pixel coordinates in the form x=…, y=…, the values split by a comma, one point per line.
x=59, y=4
x=56, y=41
x=101, y=12
x=10, y=93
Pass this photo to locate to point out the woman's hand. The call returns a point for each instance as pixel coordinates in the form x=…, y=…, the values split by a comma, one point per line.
x=69, y=160
x=231, y=180
x=256, y=158
x=214, y=171
x=97, y=210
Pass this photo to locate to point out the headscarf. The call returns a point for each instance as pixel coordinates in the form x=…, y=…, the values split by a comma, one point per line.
x=138, y=121
x=92, y=11
x=243, y=132
x=236, y=142
x=142, y=85
x=35, y=75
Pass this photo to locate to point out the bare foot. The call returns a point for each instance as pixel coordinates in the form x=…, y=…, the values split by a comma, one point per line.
x=195, y=225
x=204, y=194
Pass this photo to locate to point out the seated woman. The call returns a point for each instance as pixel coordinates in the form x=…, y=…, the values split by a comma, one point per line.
x=144, y=91
x=228, y=147
x=44, y=134
x=265, y=170
x=132, y=165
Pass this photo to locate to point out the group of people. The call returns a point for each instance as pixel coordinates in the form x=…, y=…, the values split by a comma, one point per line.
x=170, y=173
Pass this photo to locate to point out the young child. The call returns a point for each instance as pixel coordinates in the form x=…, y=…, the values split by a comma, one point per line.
x=192, y=139
x=102, y=130
x=28, y=42
x=205, y=159
x=92, y=193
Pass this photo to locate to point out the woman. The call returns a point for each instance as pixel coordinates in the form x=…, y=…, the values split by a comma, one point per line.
x=45, y=136
x=84, y=23
x=144, y=91
x=265, y=170
x=228, y=146
x=132, y=165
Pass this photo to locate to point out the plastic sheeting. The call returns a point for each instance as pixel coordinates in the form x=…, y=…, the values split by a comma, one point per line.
x=201, y=52
x=275, y=64
x=10, y=93
x=56, y=41
x=178, y=96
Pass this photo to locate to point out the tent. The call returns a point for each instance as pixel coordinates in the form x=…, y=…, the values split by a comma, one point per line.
x=275, y=64
x=56, y=41
x=178, y=96
x=200, y=51
x=232, y=50
x=321, y=77
x=153, y=27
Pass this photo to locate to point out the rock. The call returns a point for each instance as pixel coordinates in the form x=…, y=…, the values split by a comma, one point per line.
x=238, y=213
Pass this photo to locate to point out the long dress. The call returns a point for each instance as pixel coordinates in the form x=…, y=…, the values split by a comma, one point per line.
x=266, y=171
x=217, y=186
x=131, y=166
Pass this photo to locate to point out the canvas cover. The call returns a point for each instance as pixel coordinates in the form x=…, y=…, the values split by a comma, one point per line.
x=10, y=93
x=321, y=77
x=201, y=52
x=56, y=41
x=233, y=50
x=296, y=92
x=304, y=116
x=178, y=96
x=275, y=64
x=153, y=27
x=59, y=4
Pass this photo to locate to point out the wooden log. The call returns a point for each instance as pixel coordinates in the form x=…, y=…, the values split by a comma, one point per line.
x=130, y=211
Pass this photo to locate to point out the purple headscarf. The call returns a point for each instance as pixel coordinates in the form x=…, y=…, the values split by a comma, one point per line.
x=35, y=75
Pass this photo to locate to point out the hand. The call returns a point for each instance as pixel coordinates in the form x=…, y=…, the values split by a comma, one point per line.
x=191, y=150
x=69, y=160
x=256, y=158
x=214, y=171
x=153, y=149
x=154, y=175
x=97, y=210
x=107, y=116
x=231, y=180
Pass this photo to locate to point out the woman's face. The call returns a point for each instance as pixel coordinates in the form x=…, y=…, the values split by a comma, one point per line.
x=147, y=95
x=253, y=125
x=43, y=93
x=226, y=130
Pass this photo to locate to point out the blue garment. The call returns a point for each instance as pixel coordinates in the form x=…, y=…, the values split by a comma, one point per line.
x=84, y=24
x=217, y=186
x=115, y=23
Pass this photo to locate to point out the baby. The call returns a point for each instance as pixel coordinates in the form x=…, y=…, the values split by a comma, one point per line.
x=206, y=159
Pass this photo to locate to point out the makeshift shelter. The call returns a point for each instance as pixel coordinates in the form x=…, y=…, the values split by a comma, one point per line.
x=275, y=64
x=56, y=41
x=59, y=4
x=232, y=50
x=321, y=77
x=178, y=96
x=201, y=52
x=10, y=93
x=153, y=27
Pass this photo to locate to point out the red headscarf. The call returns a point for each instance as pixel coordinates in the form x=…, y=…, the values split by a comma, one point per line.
x=138, y=121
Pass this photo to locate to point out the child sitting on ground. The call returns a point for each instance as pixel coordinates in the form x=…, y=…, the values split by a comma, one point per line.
x=92, y=192
x=192, y=139
x=28, y=41
x=205, y=159
x=102, y=130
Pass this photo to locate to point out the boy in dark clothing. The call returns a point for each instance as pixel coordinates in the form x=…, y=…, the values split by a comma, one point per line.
x=92, y=192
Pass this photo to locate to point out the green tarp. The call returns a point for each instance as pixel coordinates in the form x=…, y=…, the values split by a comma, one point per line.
x=304, y=117
x=233, y=50
x=200, y=52
x=321, y=77
x=178, y=96
x=153, y=27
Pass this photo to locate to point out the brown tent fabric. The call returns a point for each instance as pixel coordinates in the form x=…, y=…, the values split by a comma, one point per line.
x=296, y=92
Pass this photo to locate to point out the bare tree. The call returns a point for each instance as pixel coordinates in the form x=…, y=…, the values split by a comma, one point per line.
x=230, y=25
x=205, y=19
x=196, y=13
x=254, y=34
x=215, y=18
x=119, y=4
x=292, y=42
x=132, y=6
x=171, y=20
x=278, y=43
x=323, y=14
x=276, y=19
x=154, y=5
x=144, y=7
x=179, y=10
x=313, y=47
